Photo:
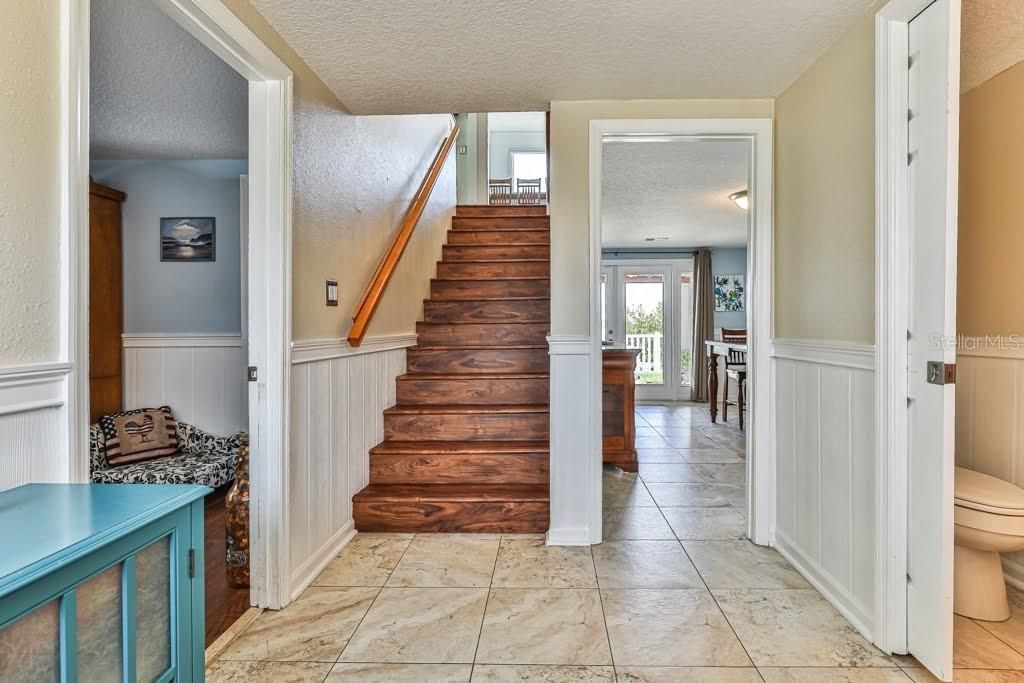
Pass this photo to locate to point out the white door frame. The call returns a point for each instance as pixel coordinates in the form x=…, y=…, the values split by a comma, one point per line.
x=760, y=266
x=270, y=224
x=892, y=254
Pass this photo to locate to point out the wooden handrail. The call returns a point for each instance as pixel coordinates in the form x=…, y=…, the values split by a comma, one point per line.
x=386, y=268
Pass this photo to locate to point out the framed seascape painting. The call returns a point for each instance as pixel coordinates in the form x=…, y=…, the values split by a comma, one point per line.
x=188, y=239
x=729, y=293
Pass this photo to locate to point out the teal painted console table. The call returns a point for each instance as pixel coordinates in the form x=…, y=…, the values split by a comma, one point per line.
x=101, y=582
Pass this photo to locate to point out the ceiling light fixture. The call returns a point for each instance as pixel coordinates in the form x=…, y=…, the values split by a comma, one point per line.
x=655, y=239
x=741, y=199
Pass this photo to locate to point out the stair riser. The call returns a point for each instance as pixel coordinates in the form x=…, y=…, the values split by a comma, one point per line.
x=447, y=290
x=487, y=311
x=469, y=237
x=469, y=391
x=477, y=334
x=499, y=222
x=491, y=517
x=476, y=360
x=469, y=210
x=461, y=253
x=484, y=271
x=507, y=468
x=466, y=427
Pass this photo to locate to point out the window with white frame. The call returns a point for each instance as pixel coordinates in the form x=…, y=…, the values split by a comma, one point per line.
x=531, y=164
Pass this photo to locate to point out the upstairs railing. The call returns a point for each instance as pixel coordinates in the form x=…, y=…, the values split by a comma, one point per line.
x=386, y=269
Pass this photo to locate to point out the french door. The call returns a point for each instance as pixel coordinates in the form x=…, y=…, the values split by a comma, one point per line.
x=646, y=307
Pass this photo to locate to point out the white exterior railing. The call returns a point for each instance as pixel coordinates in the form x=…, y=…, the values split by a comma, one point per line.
x=650, y=358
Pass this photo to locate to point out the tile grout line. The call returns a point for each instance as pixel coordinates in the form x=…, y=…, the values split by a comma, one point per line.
x=604, y=616
x=374, y=601
x=487, y=603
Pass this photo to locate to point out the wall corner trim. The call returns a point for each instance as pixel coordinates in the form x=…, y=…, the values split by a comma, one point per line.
x=26, y=388
x=312, y=350
x=310, y=569
x=162, y=340
x=569, y=345
x=826, y=352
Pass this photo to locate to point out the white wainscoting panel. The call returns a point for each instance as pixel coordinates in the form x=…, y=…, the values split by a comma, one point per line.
x=990, y=418
x=338, y=395
x=575, y=458
x=824, y=396
x=201, y=377
x=33, y=422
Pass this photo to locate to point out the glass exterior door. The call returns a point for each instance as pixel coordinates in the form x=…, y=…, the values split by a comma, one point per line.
x=642, y=309
x=644, y=301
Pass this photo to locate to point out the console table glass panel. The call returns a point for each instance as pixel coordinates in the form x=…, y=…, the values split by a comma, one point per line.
x=102, y=582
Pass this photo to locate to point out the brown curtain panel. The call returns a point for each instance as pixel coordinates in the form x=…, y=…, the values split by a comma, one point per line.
x=703, y=322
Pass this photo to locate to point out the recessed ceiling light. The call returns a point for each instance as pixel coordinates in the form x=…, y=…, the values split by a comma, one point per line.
x=741, y=199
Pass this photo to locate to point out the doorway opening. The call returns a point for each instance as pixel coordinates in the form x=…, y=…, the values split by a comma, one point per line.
x=263, y=327
x=654, y=304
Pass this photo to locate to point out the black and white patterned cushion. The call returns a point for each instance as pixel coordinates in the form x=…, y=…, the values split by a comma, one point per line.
x=202, y=459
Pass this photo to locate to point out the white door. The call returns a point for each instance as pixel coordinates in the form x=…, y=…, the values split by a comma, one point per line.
x=933, y=139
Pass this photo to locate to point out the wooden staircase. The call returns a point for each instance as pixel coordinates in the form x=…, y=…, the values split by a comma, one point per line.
x=466, y=446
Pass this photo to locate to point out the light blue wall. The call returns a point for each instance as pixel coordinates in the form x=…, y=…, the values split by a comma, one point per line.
x=730, y=262
x=168, y=298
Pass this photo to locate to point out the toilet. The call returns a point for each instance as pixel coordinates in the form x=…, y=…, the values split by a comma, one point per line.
x=988, y=519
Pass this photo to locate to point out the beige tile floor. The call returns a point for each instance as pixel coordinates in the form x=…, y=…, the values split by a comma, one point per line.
x=673, y=594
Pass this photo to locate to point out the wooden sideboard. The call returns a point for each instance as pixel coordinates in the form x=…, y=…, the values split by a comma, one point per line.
x=102, y=582
x=618, y=401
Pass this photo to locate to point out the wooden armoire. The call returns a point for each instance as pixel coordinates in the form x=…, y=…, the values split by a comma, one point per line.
x=106, y=319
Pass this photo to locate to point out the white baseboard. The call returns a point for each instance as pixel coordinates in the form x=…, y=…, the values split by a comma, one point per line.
x=827, y=585
x=311, y=568
x=579, y=536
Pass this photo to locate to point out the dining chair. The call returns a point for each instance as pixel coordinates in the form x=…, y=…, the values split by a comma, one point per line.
x=528, y=190
x=499, y=191
x=735, y=368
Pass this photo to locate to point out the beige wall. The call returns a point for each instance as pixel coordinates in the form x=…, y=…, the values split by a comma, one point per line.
x=825, y=195
x=990, y=290
x=29, y=181
x=353, y=179
x=570, y=178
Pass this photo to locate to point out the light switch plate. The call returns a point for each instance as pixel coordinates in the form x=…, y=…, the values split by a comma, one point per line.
x=332, y=292
x=462, y=149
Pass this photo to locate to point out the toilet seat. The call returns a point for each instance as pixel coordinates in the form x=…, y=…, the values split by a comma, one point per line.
x=977, y=491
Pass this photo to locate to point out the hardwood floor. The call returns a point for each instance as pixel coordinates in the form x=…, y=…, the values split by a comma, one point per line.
x=466, y=445
x=224, y=604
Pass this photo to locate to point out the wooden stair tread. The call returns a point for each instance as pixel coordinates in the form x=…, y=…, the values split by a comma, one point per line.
x=457, y=409
x=460, y=447
x=442, y=376
x=406, y=493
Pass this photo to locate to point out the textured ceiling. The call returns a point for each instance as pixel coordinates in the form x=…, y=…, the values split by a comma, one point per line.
x=157, y=92
x=992, y=39
x=387, y=57
x=677, y=189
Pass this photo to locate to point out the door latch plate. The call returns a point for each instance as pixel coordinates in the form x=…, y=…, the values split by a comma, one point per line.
x=941, y=373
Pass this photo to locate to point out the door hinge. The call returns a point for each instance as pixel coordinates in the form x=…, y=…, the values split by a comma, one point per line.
x=191, y=563
x=251, y=373
x=941, y=373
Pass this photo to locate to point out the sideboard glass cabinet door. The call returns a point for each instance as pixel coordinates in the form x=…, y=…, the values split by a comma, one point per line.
x=126, y=612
